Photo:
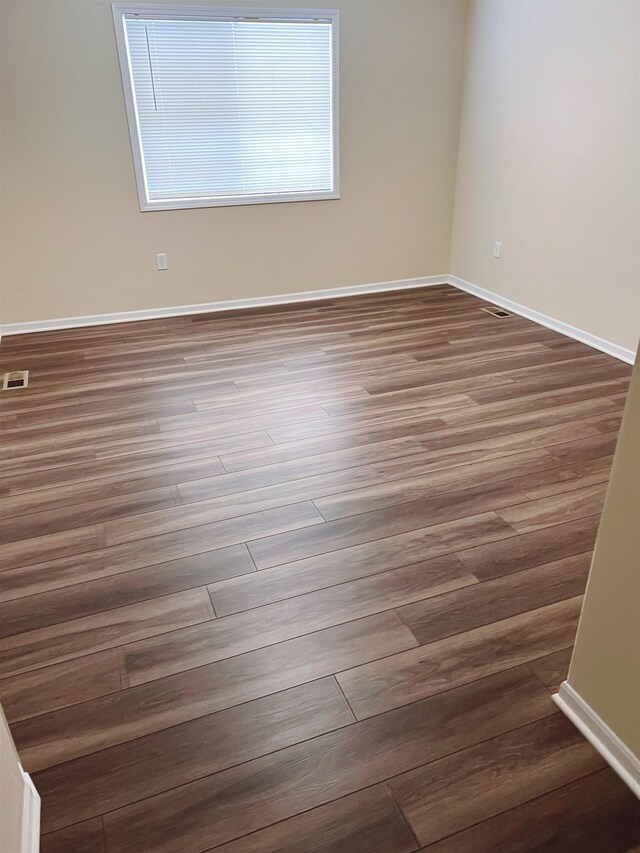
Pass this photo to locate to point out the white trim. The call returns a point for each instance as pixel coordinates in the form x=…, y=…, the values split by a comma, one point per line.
x=27, y=826
x=597, y=732
x=121, y=11
x=612, y=349
x=225, y=305
x=30, y=816
x=594, y=341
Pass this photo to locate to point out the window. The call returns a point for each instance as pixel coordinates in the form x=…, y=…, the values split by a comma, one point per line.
x=230, y=106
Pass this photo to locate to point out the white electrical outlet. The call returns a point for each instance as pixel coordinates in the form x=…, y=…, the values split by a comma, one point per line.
x=497, y=249
x=161, y=261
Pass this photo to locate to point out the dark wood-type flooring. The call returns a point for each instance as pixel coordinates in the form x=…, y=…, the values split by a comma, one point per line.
x=304, y=579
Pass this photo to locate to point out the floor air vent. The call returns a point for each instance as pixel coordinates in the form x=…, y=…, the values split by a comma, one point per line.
x=496, y=312
x=15, y=379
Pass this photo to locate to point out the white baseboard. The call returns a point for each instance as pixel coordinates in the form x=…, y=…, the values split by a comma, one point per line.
x=610, y=348
x=19, y=800
x=598, y=733
x=30, y=817
x=224, y=305
x=594, y=341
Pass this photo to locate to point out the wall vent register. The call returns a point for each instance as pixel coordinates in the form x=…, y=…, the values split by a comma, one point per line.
x=496, y=312
x=15, y=379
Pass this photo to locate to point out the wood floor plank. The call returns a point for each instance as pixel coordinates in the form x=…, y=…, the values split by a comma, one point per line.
x=513, y=423
x=411, y=330
x=583, y=398
x=307, y=396
x=540, y=354
x=531, y=396
x=93, y=725
x=116, y=777
x=597, y=813
x=293, y=408
x=405, y=400
x=127, y=388
x=51, y=462
x=446, y=342
x=377, y=524
x=211, y=370
x=392, y=493
x=217, y=411
x=317, y=377
x=502, y=363
x=433, y=432
x=409, y=676
x=49, y=547
x=382, y=419
x=519, y=439
x=237, y=504
x=39, y=500
x=564, y=478
x=299, y=488
x=259, y=420
x=611, y=424
x=35, y=524
x=532, y=443
x=577, y=371
x=118, y=590
x=533, y=515
x=268, y=522
x=584, y=449
x=236, y=442
x=383, y=454
x=336, y=467
x=368, y=821
x=425, y=392
x=344, y=440
x=17, y=444
x=531, y=549
x=336, y=567
x=85, y=837
x=57, y=643
x=307, y=366
x=82, y=465
x=552, y=669
x=241, y=632
x=80, y=481
x=548, y=384
x=73, y=412
x=497, y=599
x=62, y=684
x=246, y=798
x=161, y=555
x=278, y=473
x=35, y=360
x=456, y=792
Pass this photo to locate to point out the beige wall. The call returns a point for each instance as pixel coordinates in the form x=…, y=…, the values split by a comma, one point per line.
x=549, y=160
x=75, y=242
x=605, y=667
x=548, y=164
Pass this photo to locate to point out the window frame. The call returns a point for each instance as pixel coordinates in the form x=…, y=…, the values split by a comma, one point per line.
x=122, y=10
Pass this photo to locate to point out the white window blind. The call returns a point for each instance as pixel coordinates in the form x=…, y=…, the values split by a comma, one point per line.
x=230, y=109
